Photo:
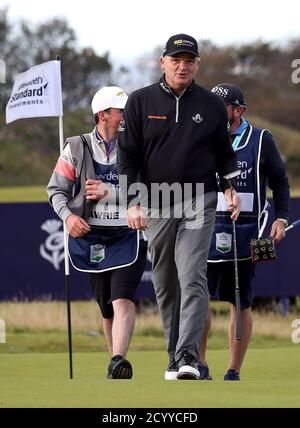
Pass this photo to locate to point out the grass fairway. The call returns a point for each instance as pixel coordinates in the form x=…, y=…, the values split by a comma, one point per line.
x=23, y=194
x=271, y=378
x=39, y=194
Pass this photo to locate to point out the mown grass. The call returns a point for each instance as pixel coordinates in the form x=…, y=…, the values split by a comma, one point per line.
x=34, y=362
x=39, y=194
x=23, y=194
x=268, y=379
x=42, y=326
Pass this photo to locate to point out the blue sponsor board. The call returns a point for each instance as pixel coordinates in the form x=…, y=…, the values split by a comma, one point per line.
x=32, y=259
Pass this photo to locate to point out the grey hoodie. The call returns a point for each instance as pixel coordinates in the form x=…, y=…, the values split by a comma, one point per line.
x=65, y=196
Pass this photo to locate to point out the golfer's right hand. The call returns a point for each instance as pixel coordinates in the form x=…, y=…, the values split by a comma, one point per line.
x=234, y=202
x=136, y=218
x=77, y=227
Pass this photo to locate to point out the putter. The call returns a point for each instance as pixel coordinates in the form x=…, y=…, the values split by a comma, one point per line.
x=238, y=334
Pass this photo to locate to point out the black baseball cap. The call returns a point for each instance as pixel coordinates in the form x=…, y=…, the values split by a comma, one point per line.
x=230, y=93
x=181, y=43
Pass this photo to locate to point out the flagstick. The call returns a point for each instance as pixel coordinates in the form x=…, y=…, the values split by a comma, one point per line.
x=67, y=267
x=15, y=111
x=67, y=264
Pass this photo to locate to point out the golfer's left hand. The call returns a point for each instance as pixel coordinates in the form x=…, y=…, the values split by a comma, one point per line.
x=137, y=218
x=234, y=202
x=277, y=231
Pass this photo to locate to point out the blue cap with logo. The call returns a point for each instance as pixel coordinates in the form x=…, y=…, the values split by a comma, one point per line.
x=230, y=93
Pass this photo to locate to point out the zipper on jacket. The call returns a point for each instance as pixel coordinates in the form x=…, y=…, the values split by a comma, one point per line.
x=177, y=110
x=168, y=89
x=177, y=105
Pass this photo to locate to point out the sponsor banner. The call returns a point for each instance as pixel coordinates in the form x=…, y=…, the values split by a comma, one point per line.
x=36, y=93
x=32, y=260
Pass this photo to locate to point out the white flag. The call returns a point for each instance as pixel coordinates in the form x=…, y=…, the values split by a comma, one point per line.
x=36, y=93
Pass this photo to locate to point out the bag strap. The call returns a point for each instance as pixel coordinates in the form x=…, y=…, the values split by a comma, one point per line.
x=86, y=141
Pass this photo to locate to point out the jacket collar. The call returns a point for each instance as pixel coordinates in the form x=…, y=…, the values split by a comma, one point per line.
x=165, y=88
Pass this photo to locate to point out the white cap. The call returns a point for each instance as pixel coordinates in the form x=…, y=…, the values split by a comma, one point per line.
x=108, y=97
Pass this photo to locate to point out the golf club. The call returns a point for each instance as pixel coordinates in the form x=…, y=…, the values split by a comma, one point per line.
x=238, y=334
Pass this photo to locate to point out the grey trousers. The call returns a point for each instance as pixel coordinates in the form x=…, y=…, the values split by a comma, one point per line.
x=179, y=262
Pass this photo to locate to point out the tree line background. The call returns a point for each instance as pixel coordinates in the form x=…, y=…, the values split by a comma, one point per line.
x=28, y=150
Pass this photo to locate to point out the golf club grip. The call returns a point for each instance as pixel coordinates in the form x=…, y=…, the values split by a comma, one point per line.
x=239, y=333
x=295, y=224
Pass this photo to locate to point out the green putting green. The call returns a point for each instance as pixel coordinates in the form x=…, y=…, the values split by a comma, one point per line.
x=270, y=378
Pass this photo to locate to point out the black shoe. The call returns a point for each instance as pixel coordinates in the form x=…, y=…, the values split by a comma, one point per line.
x=172, y=370
x=119, y=368
x=188, y=367
x=204, y=372
x=232, y=375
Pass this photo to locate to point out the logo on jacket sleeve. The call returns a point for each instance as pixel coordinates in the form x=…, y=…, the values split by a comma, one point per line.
x=223, y=242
